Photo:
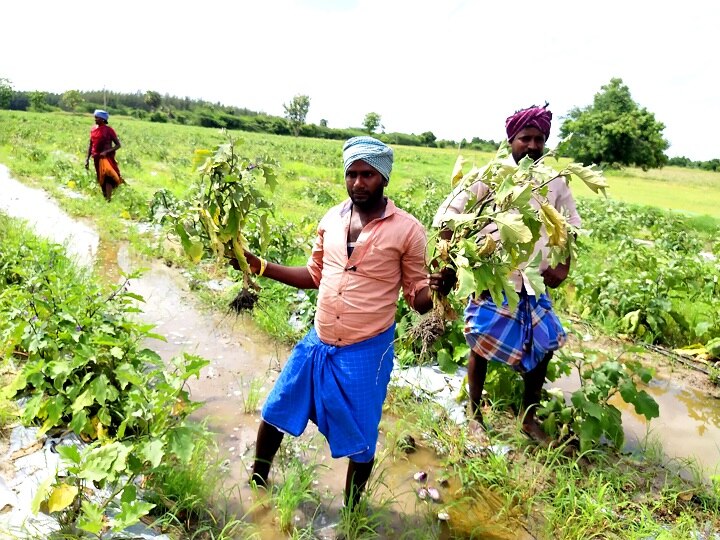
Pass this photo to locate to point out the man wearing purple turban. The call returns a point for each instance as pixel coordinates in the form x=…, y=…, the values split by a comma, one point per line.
x=525, y=338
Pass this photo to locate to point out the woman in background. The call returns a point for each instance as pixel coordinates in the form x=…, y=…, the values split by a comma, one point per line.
x=103, y=144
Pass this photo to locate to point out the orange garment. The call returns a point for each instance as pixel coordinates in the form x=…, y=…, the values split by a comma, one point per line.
x=106, y=172
x=358, y=295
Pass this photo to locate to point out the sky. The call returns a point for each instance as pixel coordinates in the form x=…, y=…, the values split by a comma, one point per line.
x=457, y=68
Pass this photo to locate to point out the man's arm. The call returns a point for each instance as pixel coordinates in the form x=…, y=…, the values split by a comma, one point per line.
x=553, y=277
x=295, y=276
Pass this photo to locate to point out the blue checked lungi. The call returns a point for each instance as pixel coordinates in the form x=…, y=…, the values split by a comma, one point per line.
x=341, y=389
x=520, y=339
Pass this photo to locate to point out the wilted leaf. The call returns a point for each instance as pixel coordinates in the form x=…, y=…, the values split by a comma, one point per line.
x=61, y=497
x=593, y=178
x=555, y=225
x=457, y=173
x=41, y=494
x=195, y=251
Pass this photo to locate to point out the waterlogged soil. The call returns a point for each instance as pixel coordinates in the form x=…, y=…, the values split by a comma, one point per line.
x=243, y=361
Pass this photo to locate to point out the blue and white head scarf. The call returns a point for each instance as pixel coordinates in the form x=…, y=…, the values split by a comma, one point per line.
x=370, y=150
x=99, y=113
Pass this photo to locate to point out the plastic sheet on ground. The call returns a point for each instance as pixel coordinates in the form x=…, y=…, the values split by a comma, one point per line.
x=28, y=462
x=431, y=383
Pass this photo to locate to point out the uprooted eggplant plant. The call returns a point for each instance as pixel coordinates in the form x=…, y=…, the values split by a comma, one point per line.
x=496, y=234
x=227, y=201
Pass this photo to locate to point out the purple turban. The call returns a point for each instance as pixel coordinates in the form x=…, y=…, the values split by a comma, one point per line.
x=537, y=117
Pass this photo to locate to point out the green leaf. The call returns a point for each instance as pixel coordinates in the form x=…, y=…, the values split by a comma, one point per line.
x=466, y=282
x=69, y=452
x=445, y=361
x=117, y=352
x=646, y=405
x=535, y=279
x=79, y=421
x=130, y=513
x=590, y=432
x=593, y=409
x=191, y=365
x=512, y=229
x=152, y=451
x=127, y=374
x=83, y=401
x=628, y=391
x=99, y=388
x=91, y=518
x=181, y=443
x=129, y=494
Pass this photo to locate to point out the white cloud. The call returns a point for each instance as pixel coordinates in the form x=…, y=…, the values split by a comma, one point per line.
x=456, y=68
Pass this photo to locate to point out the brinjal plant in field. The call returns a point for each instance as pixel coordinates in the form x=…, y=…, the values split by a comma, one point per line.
x=228, y=199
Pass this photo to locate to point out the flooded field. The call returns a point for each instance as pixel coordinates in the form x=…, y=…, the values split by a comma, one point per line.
x=244, y=364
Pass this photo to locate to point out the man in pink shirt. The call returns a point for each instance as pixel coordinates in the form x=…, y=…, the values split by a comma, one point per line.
x=366, y=249
x=525, y=338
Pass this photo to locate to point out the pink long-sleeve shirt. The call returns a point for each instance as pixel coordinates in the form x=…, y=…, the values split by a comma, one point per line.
x=358, y=295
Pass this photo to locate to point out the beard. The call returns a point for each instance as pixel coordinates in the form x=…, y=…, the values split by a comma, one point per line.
x=534, y=155
x=367, y=200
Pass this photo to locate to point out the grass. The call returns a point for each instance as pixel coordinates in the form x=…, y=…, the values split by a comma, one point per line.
x=692, y=192
x=252, y=394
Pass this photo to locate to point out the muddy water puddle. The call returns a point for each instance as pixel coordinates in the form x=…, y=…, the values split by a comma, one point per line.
x=688, y=427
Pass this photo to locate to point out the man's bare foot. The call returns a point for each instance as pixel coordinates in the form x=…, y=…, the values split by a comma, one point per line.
x=533, y=429
x=477, y=432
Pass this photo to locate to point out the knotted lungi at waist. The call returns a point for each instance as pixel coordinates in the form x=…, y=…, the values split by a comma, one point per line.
x=341, y=389
x=520, y=338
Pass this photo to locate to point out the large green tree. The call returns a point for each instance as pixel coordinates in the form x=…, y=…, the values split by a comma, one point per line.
x=71, y=99
x=152, y=99
x=372, y=122
x=615, y=130
x=296, y=112
x=38, y=100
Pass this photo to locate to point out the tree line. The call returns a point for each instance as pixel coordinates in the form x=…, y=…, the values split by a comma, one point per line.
x=613, y=131
x=153, y=106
